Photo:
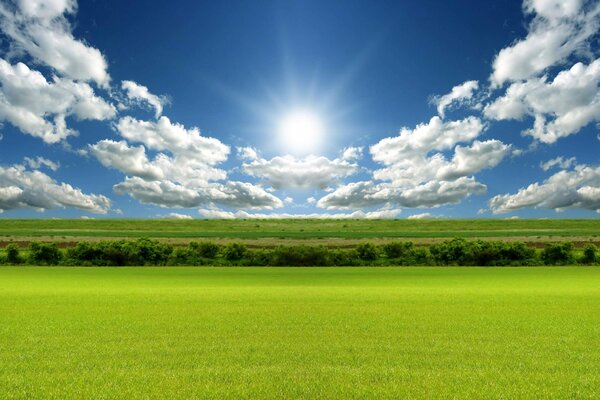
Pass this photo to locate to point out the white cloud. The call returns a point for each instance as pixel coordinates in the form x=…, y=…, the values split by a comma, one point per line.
x=559, y=28
x=140, y=94
x=129, y=160
x=417, y=173
x=429, y=194
x=39, y=107
x=563, y=163
x=46, y=9
x=41, y=29
x=434, y=135
x=21, y=188
x=308, y=172
x=421, y=216
x=183, y=173
x=177, y=216
x=166, y=193
x=458, y=95
x=220, y=214
x=578, y=188
x=469, y=160
x=163, y=135
x=571, y=101
x=36, y=163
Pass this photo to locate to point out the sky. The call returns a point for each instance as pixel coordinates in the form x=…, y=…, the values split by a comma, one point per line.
x=270, y=109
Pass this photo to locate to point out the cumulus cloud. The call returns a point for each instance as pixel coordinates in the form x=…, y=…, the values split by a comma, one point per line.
x=429, y=194
x=434, y=135
x=308, y=172
x=560, y=107
x=127, y=159
x=416, y=172
x=140, y=94
x=459, y=95
x=22, y=188
x=39, y=108
x=469, y=160
x=381, y=214
x=164, y=135
x=183, y=173
x=563, y=163
x=41, y=29
x=577, y=188
x=558, y=29
x=165, y=193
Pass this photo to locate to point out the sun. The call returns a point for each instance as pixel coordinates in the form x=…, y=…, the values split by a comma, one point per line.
x=300, y=132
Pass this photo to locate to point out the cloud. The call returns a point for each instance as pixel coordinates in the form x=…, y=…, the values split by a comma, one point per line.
x=381, y=214
x=558, y=29
x=458, y=95
x=46, y=9
x=39, y=108
x=434, y=135
x=21, y=188
x=571, y=101
x=164, y=135
x=140, y=94
x=38, y=162
x=184, y=171
x=177, y=216
x=421, y=216
x=430, y=194
x=41, y=29
x=563, y=163
x=308, y=172
x=129, y=160
x=469, y=160
x=166, y=193
x=416, y=172
x=578, y=188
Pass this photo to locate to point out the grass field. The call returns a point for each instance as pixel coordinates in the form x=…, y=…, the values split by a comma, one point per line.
x=299, y=228
x=335, y=333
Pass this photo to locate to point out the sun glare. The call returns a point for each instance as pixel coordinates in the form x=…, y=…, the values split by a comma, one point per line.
x=300, y=132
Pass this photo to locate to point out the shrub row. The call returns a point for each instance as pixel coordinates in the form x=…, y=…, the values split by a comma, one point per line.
x=153, y=252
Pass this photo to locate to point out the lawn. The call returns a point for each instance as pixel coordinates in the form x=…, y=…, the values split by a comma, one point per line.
x=321, y=333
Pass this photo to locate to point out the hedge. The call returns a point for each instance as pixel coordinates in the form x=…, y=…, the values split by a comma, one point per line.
x=153, y=252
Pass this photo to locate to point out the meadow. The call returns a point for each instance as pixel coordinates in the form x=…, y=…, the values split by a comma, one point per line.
x=299, y=228
x=313, y=333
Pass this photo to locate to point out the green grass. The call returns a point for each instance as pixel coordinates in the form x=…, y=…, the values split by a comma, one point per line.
x=320, y=333
x=300, y=229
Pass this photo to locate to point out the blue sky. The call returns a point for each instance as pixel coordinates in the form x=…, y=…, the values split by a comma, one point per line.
x=301, y=108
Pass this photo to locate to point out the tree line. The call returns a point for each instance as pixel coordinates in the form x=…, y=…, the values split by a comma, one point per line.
x=459, y=252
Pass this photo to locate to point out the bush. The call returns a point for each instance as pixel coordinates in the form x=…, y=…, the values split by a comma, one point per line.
x=234, y=251
x=589, y=254
x=147, y=252
x=204, y=249
x=558, y=253
x=12, y=254
x=120, y=252
x=367, y=251
x=300, y=256
x=481, y=252
x=397, y=249
x=44, y=253
x=450, y=252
